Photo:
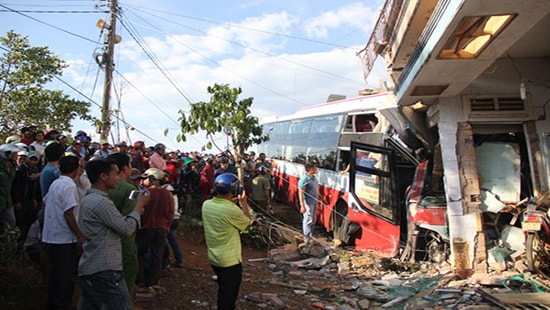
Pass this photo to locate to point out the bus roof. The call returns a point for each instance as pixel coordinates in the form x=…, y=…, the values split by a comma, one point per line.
x=358, y=104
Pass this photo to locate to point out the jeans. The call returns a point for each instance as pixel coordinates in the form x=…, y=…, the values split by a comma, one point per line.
x=104, y=290
x=173, y=241
x=229, y=282
x=308, y=222
x=153, y=240
x=62, y=274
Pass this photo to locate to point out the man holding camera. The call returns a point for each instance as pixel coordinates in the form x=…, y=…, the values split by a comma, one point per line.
x=223, y=221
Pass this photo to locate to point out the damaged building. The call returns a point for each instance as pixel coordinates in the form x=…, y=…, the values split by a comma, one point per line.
x=472, y=79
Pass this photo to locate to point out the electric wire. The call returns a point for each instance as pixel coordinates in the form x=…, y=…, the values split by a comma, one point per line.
x=98, y=105
x=70, y=86
x=88, y=70
x=237, y=26
x=135, y=38
x=149, y=53
x=257, y=50
x=226, y=68
x=64, y=82
x=152, y=102
x=163, y=71
x=56, y=11
x=47, y=24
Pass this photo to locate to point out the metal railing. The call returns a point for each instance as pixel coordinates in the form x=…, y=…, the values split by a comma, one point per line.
x=380, y=35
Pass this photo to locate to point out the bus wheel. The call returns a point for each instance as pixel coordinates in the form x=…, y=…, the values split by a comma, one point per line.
x=340, y=224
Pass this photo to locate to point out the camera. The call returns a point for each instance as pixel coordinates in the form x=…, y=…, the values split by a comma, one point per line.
x=135, y=194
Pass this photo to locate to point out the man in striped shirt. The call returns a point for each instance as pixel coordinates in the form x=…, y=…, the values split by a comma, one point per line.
x=102, y=284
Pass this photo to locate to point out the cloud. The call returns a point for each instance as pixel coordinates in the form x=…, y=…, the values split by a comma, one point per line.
x=356, y=15
x=253, y=34
x=280, y=79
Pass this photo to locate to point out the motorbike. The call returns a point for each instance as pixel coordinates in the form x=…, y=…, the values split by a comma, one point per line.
x=536, y=226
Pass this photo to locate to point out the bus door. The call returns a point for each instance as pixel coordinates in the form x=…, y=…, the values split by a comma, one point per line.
x=373, y=202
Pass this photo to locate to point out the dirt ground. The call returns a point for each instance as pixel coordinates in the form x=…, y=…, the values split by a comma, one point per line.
x=193, y=286
x=278, y=285
x=186, y=288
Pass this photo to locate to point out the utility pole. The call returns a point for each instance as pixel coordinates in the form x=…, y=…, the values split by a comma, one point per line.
x=109, y=67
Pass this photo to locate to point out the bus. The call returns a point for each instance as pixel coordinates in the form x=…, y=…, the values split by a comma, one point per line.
x=371, y=180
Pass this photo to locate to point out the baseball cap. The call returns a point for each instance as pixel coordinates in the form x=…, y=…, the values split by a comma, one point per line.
x=34, y=154
x=135, y=174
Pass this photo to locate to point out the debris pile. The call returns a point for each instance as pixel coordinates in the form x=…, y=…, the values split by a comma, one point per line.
x=333, y=278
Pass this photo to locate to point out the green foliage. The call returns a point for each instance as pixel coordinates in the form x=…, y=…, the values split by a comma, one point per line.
x=224, y=114
x=24, y=73
x=8, y=241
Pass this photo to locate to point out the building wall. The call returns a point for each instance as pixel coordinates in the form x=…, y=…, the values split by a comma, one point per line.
x=468, y=249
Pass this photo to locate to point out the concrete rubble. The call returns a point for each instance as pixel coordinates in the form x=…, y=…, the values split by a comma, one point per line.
x=341, y=279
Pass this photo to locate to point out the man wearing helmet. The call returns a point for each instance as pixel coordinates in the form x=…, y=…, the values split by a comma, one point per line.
x=8, y=155
x=223, y=220
x=225, y=166
x=156, y=160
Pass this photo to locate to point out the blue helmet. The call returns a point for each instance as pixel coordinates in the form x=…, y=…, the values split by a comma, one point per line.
x=226, y=183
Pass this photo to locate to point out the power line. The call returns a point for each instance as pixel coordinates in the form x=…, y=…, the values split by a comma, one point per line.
x=92, y=101
x=78, y=91
x=99, y=105
x=240, y=27
x=255, y=49
x=217, y=63
x=55, y=12
x=148, y=52
x=150, y=101
x=47, y=24
x=157, y=63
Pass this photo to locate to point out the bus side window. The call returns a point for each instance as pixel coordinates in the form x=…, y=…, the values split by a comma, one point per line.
x=349, y=124
x=365, y=122
x=344, y=160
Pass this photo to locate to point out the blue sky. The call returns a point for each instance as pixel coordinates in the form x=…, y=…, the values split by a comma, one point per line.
x=285, y=54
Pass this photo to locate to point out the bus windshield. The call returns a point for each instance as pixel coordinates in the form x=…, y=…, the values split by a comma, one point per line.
x=306, y=139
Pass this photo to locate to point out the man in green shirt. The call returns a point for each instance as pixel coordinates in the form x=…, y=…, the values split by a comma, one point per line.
x=119, y=196
x=8, y=155
x=223, y=221
x=261, y=192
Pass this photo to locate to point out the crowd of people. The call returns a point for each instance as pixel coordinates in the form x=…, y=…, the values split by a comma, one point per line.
x=74, y=204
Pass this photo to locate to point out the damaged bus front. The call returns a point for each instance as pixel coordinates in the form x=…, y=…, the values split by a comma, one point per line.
x=375, y=176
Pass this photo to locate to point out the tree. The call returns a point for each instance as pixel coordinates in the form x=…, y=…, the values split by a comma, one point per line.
x=224, y=114
x=24, y=74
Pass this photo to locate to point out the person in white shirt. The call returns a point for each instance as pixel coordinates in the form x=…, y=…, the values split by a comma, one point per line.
x=38, y=144
x=103, y=152
x=61, y=234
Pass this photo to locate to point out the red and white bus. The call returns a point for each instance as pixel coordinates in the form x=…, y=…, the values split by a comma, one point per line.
x=370, y=181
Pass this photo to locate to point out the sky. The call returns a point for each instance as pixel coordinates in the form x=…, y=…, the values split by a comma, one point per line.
x=286, y=54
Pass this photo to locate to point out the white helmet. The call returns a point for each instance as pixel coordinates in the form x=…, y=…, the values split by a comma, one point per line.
x=7, y=149
x=13, y=139
x=22, y=146
x=153, y=172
